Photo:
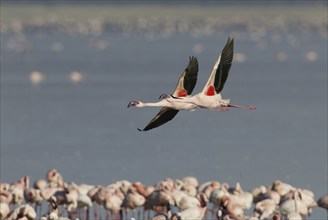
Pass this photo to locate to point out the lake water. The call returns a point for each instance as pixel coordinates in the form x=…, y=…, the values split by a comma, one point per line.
x=85, y=130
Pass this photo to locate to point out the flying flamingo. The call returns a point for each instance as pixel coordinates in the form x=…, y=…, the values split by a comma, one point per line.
x=184, y=88
x=210, y=97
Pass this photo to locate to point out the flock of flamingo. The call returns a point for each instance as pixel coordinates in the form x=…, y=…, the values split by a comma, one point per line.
x=179, y=199
x=181, y=99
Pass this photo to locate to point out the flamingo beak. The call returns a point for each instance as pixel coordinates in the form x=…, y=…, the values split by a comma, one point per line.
x=133, y=103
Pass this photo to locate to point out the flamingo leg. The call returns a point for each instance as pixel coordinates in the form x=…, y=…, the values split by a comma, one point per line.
x=139, y=214
x=36, y=208
x=212, y=211
x=143, y=213
x=107, y=215
x=87, y=211
x=95, y=211
x=100, y=212
x=251, y=107
x=146, y=214
x=221, y=109
x=133, y=213
x=79, y=213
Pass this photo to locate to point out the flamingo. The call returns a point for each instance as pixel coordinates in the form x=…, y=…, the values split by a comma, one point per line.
x=22, y=212
x=261, y=193
x=34, y=196
x=306, y=196
x=40, y=184
x=112, y=204
x=196, y=213
x=208, y=187
x=210, y=97
x=155, y=199
x=281, y=187
x=240, y=197
x=227, y=208
x=132, y=201
x=54, y=177
x=265, y=208
x=190, y=180
x=294, y=204
x=184, y=88
x=17, y=189
x=163, y=215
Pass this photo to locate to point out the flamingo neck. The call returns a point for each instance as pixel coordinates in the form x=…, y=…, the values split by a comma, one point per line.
x=141, y=190
x=152, y=104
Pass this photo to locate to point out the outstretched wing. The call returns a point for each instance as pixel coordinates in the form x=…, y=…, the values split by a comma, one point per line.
x=187, y=79
x=224, y=66
x=220, y=70
x=163, y=116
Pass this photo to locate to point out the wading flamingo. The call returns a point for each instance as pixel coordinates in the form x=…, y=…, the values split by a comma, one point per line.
x=194, y=213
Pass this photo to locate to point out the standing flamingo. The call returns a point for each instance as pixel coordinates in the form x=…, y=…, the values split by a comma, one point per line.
x=184, y=88
x=195, y=213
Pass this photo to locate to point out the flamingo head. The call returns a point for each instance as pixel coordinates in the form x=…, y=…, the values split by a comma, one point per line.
x=134, y=103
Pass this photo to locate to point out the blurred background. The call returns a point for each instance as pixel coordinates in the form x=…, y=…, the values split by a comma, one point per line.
x=69, y=69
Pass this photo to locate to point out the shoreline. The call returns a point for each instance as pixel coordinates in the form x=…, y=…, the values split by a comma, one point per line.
x=95, y=19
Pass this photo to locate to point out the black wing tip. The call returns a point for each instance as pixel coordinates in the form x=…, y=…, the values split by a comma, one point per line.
x=230, y=39
x=227, y=51
x=141, y=129
x=193, y=63
x=225, y=64
x=193, y=59
x=162, y=117
x=230, y=42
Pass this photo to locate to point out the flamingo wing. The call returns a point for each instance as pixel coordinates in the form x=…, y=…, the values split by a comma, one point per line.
x=223, y=68
x=187, y=79
x=164, y=115
x=220, y=70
